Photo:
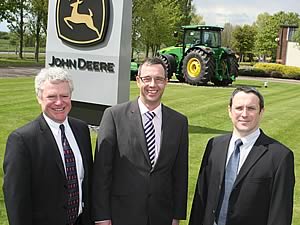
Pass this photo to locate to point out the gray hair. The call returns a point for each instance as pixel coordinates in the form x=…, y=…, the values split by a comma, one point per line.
x=53, y=75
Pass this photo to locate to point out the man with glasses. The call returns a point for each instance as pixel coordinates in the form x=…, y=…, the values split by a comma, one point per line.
x=48, y=162
x=141, y=158
x=246, y=177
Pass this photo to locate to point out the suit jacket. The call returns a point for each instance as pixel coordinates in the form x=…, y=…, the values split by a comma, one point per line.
x=35, y=184
x=125, y=189
x=263, y=190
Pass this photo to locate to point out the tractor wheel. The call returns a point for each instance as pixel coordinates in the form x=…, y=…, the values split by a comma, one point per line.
x=197, y=67
x=170, y=63
x=180, y=78
x=228, y=68
x=233, y=65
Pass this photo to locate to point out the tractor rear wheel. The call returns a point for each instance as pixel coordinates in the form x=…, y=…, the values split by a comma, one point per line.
x=233, y=65
x=170, y=63
x=228, y=68
x=180, y=78
x=197, y=67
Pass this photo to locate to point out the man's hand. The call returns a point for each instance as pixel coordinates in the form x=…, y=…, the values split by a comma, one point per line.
x=105, y=222
x=175, y=222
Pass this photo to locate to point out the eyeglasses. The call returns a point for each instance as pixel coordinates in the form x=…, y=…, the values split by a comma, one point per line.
x=148, y=79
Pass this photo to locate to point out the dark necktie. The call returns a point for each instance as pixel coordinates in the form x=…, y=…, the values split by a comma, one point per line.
x=72, y=181
x=230, y=175
x=150, y=136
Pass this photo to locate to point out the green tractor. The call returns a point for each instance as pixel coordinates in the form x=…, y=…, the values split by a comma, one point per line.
x=200, y=59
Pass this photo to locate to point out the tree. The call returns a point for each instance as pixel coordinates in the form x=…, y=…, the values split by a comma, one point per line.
x=267, y=31
x=16, y=12
x=196, y=19
x=154, y=22
x=39, y=13
x=244, y=39
x=227, y=35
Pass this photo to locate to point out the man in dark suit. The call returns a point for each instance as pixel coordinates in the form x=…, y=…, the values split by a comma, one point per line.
x=262, y=191
x=46, y=183
x=131, y=184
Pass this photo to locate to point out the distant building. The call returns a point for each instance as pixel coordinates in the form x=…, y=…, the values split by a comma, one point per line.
x=288, y=52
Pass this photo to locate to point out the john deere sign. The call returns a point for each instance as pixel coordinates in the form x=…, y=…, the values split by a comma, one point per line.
x=85, y=37
x=82, y=22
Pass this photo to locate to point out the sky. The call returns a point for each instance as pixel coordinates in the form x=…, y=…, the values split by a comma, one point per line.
x=239, y=12
x=236, y=12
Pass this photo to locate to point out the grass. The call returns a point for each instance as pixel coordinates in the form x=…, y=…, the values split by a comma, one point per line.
x=206, y=108
x=5, y=46
x=7, y=59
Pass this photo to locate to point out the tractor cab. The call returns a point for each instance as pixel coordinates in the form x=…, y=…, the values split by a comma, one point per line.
x=202, y=35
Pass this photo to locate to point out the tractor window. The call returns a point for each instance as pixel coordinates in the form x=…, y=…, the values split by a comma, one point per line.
x=212, y=38
x=192, y=37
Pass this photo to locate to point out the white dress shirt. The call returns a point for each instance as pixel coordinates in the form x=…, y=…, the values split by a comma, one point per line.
x=157, y=121
x=245, y=149
x=54, y=127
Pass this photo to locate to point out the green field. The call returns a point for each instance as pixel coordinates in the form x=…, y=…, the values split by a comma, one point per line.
x=206, y=108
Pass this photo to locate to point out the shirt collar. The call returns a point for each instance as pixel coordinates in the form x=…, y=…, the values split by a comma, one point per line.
x=249, y=139
x=54, y=126
x=144, y=109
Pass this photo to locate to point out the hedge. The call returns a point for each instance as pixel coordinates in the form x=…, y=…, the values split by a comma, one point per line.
x=271, y=70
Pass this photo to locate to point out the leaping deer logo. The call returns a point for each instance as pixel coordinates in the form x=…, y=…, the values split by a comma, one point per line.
x=80, y=18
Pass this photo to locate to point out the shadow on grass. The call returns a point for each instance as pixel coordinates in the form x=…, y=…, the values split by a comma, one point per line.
x=205, y=130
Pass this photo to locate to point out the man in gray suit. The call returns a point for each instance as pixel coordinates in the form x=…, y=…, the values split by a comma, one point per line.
x=258, y=188
x=48, y=162
x=133, y=185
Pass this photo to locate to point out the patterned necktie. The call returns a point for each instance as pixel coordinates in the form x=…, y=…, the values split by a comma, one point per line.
x=230, y=175
x=150, y=136
x=72, y=181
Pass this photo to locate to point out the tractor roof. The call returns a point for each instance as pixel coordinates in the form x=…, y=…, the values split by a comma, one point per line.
x=202, y=27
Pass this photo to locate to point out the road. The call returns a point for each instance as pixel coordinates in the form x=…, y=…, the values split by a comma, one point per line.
x=18, y=71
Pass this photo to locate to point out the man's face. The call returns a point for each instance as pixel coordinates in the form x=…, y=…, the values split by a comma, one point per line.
x=245, y=113
x=55, y=100
x=151, y=82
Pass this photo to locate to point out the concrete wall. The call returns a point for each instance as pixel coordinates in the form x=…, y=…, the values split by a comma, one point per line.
x=293, y=54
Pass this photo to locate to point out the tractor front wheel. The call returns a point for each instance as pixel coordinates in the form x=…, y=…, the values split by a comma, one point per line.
x=197, y=67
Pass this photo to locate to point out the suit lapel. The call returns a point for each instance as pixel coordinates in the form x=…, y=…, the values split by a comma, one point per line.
x=165, y=134
x=136, y=126
x=255, y=154
x=51, y=144
x=80, y=143
x=220, y=156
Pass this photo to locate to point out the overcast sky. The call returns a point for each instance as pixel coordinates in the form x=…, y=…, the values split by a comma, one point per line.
x=218, y=12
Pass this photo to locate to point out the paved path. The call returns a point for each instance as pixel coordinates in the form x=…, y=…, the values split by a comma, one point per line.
x=18, y=71
x=32, y=71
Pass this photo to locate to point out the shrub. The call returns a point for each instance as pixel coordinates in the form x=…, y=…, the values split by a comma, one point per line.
x=279, y=70
x=251, y=71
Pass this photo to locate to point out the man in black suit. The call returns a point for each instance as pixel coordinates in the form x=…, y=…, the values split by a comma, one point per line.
x=131, y=185
x=262, y=191
x=46, y=183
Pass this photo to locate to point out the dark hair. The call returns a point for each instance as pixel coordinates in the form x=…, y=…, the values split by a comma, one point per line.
x=153, y=61
x=247, y=90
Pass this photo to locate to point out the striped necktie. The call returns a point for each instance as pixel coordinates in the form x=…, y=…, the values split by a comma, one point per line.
x=72, y=181
x=150, y=136
x=230, y=176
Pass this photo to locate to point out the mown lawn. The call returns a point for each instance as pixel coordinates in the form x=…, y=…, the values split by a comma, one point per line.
x=206, y=108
